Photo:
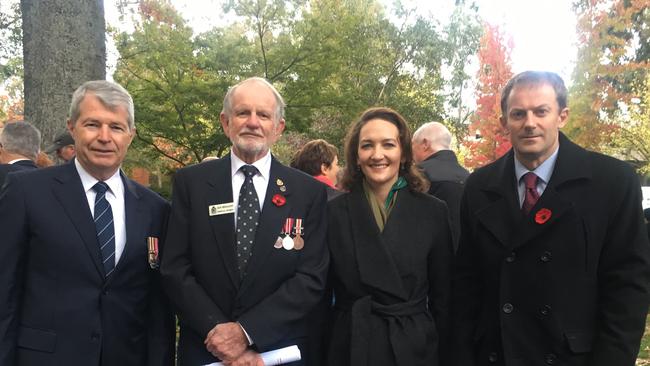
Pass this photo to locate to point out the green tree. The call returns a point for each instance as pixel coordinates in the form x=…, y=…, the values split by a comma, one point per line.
x=177, y=101
x=613, y=37
x=632, y=138
x=329, y=59
x=462, y=35
x=11, y=62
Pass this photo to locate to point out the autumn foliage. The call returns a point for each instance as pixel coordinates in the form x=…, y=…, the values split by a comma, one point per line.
x=612, y=57
x=487, y=140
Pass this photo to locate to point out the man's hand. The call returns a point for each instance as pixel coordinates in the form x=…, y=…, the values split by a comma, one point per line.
x=248, y=358
x=226, y=341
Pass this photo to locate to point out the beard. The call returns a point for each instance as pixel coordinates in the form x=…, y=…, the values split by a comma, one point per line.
x=247, y=149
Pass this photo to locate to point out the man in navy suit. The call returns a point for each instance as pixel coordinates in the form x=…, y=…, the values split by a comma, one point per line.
x=553, y=266
x=245, y=261
x=19, y=146
x=77, y=285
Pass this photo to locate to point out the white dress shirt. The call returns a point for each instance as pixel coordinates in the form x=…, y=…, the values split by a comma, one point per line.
x=260, y=180
x=114, y=196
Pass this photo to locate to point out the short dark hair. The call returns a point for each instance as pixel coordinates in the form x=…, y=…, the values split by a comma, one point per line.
x=535, y=77
x=353, y=176
x=313, y=155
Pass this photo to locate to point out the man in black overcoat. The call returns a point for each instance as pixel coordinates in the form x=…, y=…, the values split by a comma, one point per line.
x=432, y=152
x=552, y=268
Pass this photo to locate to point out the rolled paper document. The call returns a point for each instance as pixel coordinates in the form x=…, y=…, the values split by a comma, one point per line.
x=275, y=357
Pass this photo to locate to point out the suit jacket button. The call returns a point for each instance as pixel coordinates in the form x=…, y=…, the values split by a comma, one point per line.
x=546, y=257
x=511, y=258
x=545, y=310
x=492, y=357
x=550, y=359
x=508, y=308
x=94, y=336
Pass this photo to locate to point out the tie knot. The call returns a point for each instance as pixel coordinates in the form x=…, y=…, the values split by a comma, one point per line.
x=530, y=180
x=100, y=187
x=248, y=170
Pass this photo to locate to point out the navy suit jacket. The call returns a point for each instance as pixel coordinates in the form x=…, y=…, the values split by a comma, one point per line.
x=200, y=274
x=15, y=167
x=57, y=307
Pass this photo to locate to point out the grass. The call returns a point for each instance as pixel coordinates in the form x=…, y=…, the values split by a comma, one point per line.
x=644, y=351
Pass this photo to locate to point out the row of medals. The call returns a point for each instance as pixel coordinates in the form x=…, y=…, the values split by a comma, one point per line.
x=288, y=242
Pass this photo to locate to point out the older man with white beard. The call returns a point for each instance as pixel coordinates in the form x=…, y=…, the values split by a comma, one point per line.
x=246, y=260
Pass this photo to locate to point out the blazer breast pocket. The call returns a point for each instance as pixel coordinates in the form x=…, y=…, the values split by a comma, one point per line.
x=36, y=339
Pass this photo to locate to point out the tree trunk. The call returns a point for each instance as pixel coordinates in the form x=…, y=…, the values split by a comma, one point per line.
x=63, y=46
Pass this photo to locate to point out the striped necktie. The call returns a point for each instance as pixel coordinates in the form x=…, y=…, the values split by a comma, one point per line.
x=103, y=217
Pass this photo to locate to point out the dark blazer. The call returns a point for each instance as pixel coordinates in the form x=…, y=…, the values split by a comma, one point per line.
x=15, y=167
x=56, y=306
x=447, y=179
x=200, y=271
x=391, y=288
x=566, y=285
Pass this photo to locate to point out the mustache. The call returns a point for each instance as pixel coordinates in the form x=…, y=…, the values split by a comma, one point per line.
x=250, y=132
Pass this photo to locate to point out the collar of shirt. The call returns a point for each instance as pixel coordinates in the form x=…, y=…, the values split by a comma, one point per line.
x=114, y=196
x=115, y=184
x=544, y=172
x=260, y=180
x=17, y=160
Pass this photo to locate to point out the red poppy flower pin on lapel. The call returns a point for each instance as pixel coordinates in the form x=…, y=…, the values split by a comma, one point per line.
x=542, y=215
x=279, y=200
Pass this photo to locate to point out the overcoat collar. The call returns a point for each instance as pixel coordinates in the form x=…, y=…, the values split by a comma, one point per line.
x=376, y=266
x=503, y=217
x=443, y=155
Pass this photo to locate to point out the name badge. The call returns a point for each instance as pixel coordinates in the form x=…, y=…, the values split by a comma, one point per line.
x=222, y=209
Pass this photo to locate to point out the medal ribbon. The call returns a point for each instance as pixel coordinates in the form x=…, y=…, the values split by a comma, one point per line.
x=298, y=227
x=287, y=226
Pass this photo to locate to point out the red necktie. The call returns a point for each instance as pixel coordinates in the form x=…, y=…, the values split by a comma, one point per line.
x=531, y=196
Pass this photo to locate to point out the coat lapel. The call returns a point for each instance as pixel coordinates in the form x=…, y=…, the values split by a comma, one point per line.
x=271, y=221
x=376, y=266
x=69, y=191
x=502, y=213
x=223, y=226
x=571, y=165
x=135, y=225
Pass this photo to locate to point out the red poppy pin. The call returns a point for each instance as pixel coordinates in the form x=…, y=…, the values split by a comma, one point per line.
x=279, y=200
x=542, y=215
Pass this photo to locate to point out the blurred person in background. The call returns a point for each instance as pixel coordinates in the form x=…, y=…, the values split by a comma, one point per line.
x=19, y=148
x=63, y=145
x=319, y=159
x=432, y=152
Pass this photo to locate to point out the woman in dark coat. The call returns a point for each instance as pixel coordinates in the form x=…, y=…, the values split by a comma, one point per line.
x=391, y=253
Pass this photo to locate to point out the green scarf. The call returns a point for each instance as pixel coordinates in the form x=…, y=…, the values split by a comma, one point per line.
x=379, y=211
